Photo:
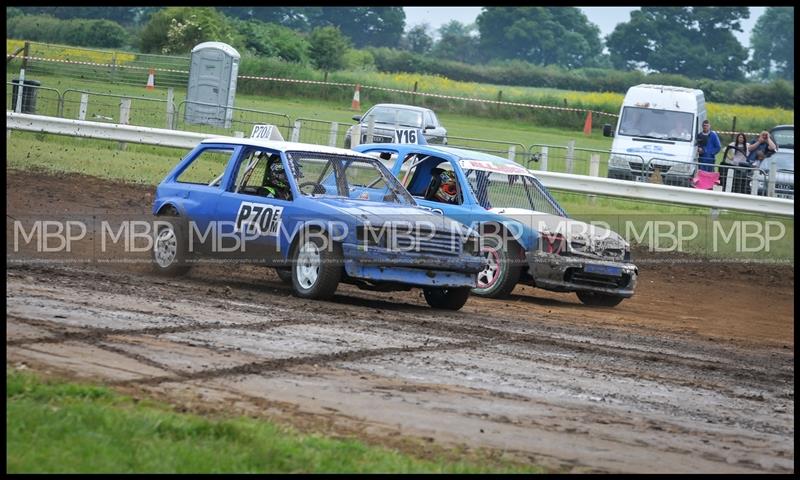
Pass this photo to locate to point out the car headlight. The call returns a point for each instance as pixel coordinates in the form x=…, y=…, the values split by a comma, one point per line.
x=616, y=161
x=682, y=168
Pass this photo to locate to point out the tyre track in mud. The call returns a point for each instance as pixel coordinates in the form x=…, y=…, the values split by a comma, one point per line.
x=568, y=387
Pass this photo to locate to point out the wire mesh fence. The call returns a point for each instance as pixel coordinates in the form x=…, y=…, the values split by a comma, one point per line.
x=223, y=120
x=36, y=100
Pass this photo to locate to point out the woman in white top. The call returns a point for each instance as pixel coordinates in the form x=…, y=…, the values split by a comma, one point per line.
x=735, y=155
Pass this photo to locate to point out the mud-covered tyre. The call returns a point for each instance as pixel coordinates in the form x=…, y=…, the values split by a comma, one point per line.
x=502, y=271
x=284, y=274
x=347, y=142
x=170, y=244
x=316, y=268
x=596, y=299
x=446, y=298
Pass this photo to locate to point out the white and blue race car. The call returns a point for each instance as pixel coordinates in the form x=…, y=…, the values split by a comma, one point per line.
x=526, y=236
x=319, y=215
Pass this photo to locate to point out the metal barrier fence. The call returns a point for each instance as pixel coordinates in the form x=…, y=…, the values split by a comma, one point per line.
x=107, y=107
x=36, y=100
x=111, y=66
x=513, y=151
x=320, y=132
x=571, y=159
x=224, y=120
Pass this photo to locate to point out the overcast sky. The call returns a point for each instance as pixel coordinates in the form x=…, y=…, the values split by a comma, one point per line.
x=604, y=17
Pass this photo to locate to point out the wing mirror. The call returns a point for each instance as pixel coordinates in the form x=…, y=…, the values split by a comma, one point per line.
x=429, y=127
x=357, y=118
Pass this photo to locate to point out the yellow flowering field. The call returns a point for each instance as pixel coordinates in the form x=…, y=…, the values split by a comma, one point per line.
x=64, y=52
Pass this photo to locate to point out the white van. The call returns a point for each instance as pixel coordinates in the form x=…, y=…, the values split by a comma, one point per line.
x=657, y=128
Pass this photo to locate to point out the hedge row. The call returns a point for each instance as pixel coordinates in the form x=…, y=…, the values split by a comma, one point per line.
x=778, y=93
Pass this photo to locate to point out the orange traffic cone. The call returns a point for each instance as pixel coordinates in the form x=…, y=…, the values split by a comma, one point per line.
x=356, y=105
x=151, y=79
x=587, y=127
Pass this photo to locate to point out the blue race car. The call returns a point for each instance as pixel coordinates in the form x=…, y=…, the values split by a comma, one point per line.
x=526, y=236
x=319, y=215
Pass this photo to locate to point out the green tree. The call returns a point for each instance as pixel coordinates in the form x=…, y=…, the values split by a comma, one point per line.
x=365, y=26
x=541, y=35
x=458, y=42
x=772, y=41
x=694, y=41
x=272, y=40
x=176, y=30
x=78, y=32
x=328, y=48
x=417, y=39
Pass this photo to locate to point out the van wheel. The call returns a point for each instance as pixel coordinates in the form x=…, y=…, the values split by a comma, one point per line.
x=170, y=245
x=596, y=299
x=446, y=298
x=316, y=268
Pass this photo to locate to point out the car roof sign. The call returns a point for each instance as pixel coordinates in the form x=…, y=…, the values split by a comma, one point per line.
x=269, y=132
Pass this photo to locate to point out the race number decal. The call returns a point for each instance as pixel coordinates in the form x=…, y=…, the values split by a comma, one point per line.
x=267, y=132
x=405, y=136
x=259, y=219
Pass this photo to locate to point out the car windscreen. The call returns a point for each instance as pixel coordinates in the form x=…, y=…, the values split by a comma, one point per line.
x=500, y=190
x=344, y=176
x=659, y=124
x=395, y=116
x=784, y=161
x=784, y=137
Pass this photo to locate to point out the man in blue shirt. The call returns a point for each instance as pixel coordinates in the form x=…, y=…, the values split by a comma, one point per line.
x=707, y=147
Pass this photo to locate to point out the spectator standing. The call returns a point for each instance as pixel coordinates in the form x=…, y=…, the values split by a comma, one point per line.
x=760, y=148
x=707, y=147
x=735, y=155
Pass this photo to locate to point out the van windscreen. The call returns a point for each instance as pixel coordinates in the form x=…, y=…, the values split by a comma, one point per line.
x=659, y=124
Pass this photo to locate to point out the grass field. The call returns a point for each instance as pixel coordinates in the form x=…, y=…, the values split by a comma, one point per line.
x=55, y=426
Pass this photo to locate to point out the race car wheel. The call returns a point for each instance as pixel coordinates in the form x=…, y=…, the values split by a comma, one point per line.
x=446, y=298
x=316, y=269
x=596, y=299
x=502, y=270
x=170, y=245
x=285, y=274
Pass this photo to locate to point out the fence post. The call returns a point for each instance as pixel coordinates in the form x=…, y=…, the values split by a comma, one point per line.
x=512, y=153
x=355, y=135
x=414, y=94
x=170, y=108
x=84, y=106
x=499, y=99
x=113, y=66
x=334, y=131
x=754, y=184
x=25, y=54
x=124, y=117
x=729, y=180
x=570, y=154
x=773, y=174
x=543, y=159
x=594, y=165
x=296, y=131
x=20, y=87
x=370, y=128
x=733, y=129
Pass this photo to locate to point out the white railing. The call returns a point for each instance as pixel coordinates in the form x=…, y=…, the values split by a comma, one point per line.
x=553, y=180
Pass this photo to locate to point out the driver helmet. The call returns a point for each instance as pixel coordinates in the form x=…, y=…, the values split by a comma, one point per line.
x=447, y=188
x=277, y=173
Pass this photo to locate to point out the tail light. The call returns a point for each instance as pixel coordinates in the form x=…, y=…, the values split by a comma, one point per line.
x=554, y=243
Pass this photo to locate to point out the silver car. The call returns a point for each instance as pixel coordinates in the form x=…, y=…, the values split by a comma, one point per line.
x=389, y=118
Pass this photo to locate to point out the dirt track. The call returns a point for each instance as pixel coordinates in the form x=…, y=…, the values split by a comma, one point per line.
x=658, y=384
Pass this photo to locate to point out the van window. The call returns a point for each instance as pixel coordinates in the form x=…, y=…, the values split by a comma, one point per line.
x=658, y=124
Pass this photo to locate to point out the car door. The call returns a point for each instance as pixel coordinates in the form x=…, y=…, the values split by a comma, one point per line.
x=250, y=218
x=198, y=187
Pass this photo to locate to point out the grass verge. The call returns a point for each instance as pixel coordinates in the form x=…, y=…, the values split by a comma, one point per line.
x=58, y=426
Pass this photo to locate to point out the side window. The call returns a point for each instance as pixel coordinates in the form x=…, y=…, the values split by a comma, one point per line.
x=434, y=120
x=207, y=167
x=261, y=173
x=431, y=178
x=429, y=120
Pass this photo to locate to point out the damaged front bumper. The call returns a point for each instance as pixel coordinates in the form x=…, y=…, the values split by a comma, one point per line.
x=571, y=274
x=419, y=269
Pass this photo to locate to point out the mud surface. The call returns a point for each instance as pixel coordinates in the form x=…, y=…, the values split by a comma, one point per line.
x=695, y=373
